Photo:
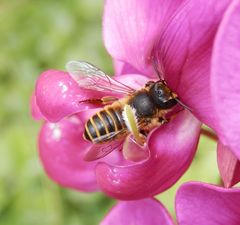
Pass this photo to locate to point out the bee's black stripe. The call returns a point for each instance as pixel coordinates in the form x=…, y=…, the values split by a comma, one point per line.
x=108, y=121
x=120, y=117
x=103, y=123
x=95, y=127
x=86, y=136
x=116, y=118
x=91, y=130
x=99, y=124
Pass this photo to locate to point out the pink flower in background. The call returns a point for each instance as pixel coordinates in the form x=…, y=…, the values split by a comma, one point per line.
x=179, y=35
x=140, y=212
x=225, y=92
x=228, y=165
x=196, y=203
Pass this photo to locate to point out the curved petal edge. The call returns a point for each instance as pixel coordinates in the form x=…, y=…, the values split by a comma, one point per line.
x=198, y=203
x=141, y=212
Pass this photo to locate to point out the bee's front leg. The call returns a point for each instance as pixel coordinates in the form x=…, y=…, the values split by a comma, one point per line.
x=161, y=116
x=149, y=124
x=163, y=120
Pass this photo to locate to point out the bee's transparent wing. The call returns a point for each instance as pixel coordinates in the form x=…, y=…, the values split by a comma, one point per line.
x=100, y=150
x=90, y=77
x=109, y=136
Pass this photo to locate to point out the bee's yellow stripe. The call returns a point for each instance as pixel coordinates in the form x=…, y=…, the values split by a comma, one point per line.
x=115, y=124
x=105, y=126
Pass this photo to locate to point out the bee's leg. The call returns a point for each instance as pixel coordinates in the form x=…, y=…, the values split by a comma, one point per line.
x=162, y=117
x=108, y=99
x=104, y=100
x=147, y=125
x=152, y=123
x=92, y=101
x=141, y=140
x=163, y=120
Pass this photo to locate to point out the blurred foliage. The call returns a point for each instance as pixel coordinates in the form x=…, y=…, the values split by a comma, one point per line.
x=35, y=36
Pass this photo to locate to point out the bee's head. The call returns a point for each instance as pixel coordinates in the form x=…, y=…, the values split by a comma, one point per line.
x=162, y=96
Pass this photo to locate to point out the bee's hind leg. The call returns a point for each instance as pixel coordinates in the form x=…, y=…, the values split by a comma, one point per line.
x=141, y=140
x=108, y=99
x=103, y=101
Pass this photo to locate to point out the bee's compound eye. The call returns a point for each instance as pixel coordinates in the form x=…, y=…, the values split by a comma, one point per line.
x=160, y=93
x=162, y=96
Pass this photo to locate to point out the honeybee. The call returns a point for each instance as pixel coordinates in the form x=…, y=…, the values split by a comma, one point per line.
x=135, y=114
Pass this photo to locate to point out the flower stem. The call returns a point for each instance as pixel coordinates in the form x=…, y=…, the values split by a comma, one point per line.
x=209, y=133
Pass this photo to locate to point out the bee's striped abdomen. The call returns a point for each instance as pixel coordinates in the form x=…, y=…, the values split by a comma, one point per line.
x=99, y=126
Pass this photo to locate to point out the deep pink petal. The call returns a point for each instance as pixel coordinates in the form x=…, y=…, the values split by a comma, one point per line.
x=172, y=148
x=184, y=50
x=141, y=212
x=225, y=82
x=135, y=81
x=62, y=149
x=199, y=203
x=229, y=165
x=35, y=111
x=122, y=68
x=131, y=29
x=58, y=95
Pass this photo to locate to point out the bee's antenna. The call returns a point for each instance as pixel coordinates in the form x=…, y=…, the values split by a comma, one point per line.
x=155, y=66
x=182, y=104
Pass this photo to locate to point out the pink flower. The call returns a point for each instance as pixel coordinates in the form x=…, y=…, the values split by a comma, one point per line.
x=229, y=165
x=179, y=35
x=225, y=92
x=196, y=203
x=140, y=212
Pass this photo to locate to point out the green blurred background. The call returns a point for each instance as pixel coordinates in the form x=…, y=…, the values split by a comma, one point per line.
x=35, y=36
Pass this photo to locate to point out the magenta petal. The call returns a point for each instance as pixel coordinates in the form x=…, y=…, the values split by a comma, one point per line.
x=172, y=148
x=229, y=165
x=199, y=203
x=62, y=149
x=225, y=80
x=58, y=95
x=131, y=29
x=135, y=81
x=185, y=50
x=141, y=212
x=122, y=68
